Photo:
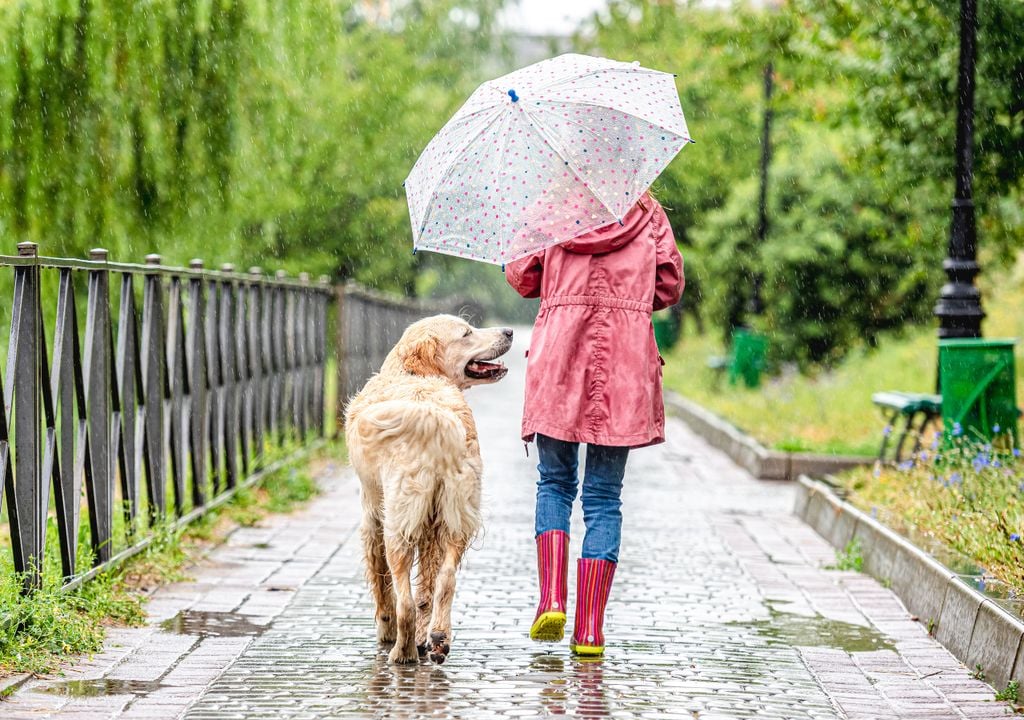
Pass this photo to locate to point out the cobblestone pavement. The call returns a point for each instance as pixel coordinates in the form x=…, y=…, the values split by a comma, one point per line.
x=722, y=608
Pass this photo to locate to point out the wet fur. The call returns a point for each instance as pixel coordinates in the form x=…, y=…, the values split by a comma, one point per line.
x=413, y=443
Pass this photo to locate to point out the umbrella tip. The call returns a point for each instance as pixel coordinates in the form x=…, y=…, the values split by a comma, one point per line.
x=414, y=250
x=620, y=222
x=691, y=141
x=512, y=94
x=503, y=267
x=675, y=74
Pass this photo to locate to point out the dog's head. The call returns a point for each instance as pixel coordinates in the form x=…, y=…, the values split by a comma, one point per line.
x=450, y=347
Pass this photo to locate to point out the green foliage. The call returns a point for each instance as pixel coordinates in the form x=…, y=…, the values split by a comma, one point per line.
x=843, y=262
x=270, y=131
x=1010, y=693
x=850, y=557
x=864, y=110
x=961, y=493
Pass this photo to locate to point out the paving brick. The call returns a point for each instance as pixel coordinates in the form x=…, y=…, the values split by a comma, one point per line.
x=721, y=608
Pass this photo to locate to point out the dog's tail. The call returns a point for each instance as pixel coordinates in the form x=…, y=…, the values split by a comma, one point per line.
x=431, y=431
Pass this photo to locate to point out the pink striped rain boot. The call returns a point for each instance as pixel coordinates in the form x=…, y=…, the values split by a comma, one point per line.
x=593, y=583
x=553, y=569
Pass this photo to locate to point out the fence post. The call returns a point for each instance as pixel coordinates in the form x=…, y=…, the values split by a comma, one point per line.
x=155, y=391
x=27, y=508
x=126, y=391
x=257, y=362
x=68, y=387
x=340, y=357
x=99, y=476
x=229, y=374
x=195, y=352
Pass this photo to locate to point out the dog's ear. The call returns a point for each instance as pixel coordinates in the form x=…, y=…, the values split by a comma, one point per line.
x=422, y=356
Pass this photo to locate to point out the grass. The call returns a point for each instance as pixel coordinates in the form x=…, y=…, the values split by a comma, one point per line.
x=40, y=631
x=831, y=411
x=1010, y=693
x=966, y=496
x=849, y=558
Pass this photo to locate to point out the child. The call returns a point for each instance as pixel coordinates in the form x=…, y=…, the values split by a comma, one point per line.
x=593, y=376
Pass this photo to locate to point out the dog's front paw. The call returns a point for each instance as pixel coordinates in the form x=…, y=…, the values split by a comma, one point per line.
x=438, y=647
x=404, y=654
x=386, y=630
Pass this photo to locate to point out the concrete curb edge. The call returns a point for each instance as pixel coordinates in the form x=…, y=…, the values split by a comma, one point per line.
x=748, y=453
x=976, y=630
x=11, y=683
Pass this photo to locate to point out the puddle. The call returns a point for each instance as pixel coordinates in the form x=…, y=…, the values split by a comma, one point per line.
x=817, y=631
x=212, y=624
x=95, y=688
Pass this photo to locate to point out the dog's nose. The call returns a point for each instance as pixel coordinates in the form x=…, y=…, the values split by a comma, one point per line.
x=507, y=332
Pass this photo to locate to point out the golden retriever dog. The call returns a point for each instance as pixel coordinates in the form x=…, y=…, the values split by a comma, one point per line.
x=413, y=443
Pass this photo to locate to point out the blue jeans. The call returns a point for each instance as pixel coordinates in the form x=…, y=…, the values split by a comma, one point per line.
x=602, y=488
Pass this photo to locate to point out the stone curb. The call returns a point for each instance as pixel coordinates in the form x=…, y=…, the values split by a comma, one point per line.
x=970, y=625
x=9, y=684
x=748, y=453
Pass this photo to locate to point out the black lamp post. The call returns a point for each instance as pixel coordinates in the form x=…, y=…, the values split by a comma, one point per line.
x=959, y=306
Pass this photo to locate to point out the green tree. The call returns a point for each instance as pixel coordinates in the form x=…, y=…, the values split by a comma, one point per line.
x=256, y=131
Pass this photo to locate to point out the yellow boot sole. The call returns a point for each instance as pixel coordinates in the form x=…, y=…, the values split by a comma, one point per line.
x=549, y=627
x=587, y=650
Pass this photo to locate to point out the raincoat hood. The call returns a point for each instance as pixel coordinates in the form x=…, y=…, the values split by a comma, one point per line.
x=614, y=235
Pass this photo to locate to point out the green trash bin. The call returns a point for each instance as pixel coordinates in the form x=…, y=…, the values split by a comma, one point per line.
x=979, y=388
x=666, y=329
x=748, y=357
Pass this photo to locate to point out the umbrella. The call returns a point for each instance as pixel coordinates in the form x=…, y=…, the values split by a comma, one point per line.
x=542, y=155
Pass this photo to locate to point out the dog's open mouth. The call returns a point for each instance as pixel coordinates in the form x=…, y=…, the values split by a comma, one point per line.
x=485, y=370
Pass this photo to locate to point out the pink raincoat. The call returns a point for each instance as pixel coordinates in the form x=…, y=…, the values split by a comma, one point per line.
x=594, y=373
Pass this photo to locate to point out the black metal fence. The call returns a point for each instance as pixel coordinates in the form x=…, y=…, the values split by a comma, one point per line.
x=164, y=404
x=368, y=326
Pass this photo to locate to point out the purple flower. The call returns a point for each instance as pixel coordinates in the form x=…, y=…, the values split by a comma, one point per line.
x=906, y=464
x=996, y=428
x=1014, y=537
x=955, y=478
x=924, y=456
x=957, y=429
x=1016, y=452
x=874, y=512
x=887, y=430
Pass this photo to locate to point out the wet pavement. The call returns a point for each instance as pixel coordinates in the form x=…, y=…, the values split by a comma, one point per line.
x=723, y=607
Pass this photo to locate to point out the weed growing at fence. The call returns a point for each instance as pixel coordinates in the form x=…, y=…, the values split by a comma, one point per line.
x=39, y=631
x=966, y=494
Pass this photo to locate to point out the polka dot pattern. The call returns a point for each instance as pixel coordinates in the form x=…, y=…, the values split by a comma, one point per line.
x=583, y=139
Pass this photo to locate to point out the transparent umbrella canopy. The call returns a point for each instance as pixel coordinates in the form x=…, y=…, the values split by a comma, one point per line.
x=542, y=155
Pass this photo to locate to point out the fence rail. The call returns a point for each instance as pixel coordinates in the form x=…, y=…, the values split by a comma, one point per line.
x=158, y=411
x=368, y=326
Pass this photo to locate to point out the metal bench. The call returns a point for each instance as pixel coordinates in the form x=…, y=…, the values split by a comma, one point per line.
x=917, y=410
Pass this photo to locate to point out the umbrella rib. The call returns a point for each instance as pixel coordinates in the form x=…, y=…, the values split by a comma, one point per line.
x=565, y=155
x=443, y=176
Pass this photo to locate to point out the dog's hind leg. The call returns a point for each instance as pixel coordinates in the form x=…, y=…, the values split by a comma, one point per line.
x=400, y=556
x=378, y=576
x=444, y=594
x=429, y=559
